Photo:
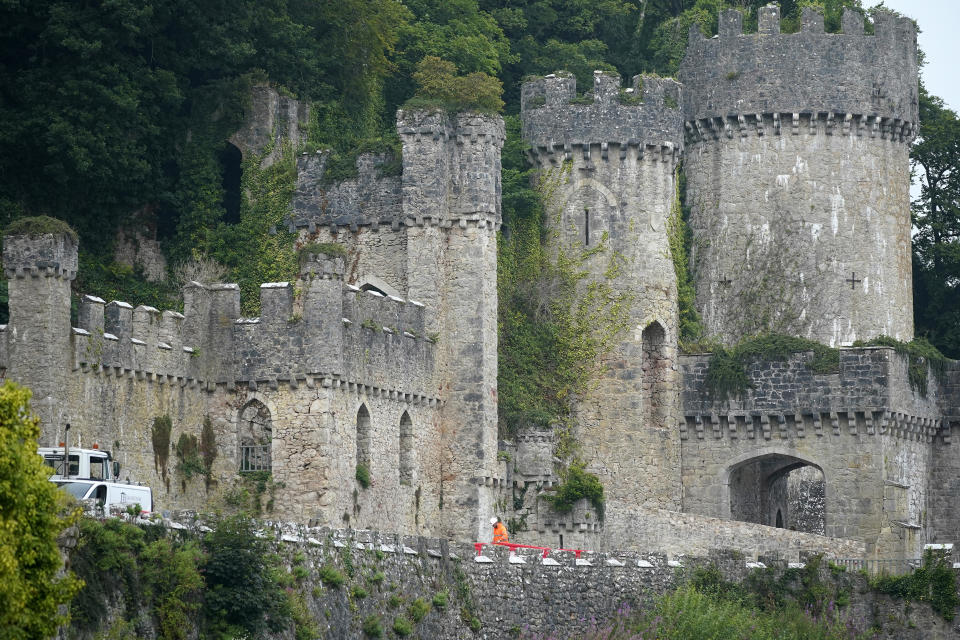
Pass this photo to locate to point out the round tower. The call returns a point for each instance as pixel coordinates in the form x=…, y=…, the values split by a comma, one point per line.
x=798, y=176
x=609, y=173
x=39, y=269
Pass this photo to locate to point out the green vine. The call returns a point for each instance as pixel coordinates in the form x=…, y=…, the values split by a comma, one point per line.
x=727, y=372
x=934, y=582
x=554, y=320
x=680, y=239
x=160, y=439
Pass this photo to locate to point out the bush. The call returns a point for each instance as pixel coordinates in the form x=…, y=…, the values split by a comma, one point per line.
x=440, y=600
x=935, y=582
x=31, y=517
x=243, y=579
x=418, y=609
x=372, y=627
x=363, y=475
x=439, y=86
x=332, y=577
x=578, y=484
x=402, y=627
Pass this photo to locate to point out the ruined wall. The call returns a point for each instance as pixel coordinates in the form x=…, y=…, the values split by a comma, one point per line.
x=607, y=169
x=870, y=434
x=798, y=176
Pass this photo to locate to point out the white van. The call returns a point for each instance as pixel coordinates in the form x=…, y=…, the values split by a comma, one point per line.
x=92, y=474
x=108, y=494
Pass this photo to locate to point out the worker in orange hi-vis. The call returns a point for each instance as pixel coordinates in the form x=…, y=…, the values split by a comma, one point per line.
x=499, y=531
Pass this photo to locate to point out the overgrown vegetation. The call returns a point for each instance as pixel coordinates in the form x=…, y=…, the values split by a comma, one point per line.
x=680, y=239
x=38, y=226
x=727, y=373
x=160, y=439
x=578, y=484
x=32, y=515
x=934, y=582
x=554, y=321
x=922, y=358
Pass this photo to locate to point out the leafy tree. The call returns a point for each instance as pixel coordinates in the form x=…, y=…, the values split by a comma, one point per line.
x=935, y=159
x=243, y=591
x=31, y=518
x=438, y=83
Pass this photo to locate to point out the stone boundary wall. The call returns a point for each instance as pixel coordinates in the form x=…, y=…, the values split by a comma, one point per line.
x=842, y=76
x=369, y=196
x=679, y=534
x=870, y=394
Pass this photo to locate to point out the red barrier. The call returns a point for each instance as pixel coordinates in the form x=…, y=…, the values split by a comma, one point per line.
x=514, y=546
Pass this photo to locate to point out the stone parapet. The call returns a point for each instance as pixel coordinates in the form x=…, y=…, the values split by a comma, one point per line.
x=867, y=77
x=644, y=118
x=45, y=255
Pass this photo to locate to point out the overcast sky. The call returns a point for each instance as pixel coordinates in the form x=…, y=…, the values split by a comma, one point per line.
x=939, y=22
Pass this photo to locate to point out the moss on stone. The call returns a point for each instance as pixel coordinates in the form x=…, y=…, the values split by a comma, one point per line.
x=38, y=226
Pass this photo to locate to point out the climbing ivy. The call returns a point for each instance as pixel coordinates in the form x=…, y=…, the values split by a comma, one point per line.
x=554, y=321
x=934, y=582
x=727, y=371
x=922, y=356
x=578, y=484
x=680, y=239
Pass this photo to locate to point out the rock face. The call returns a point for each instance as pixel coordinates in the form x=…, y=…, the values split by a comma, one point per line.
x=798, y=177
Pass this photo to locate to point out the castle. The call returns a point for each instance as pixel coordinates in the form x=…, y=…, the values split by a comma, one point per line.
x=368, y=387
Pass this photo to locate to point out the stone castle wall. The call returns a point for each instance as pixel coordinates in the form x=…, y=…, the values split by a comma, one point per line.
x=872, y=437
x=607, y=168
x=798, y=177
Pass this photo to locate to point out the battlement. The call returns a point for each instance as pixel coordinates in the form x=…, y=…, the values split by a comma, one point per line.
x=844, y=76
x=645, y=115
x=451, y=175
x=46, y=255
x=117, y=338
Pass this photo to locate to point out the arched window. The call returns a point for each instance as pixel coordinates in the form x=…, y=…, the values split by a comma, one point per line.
x=255, y=434
x=655, y=365
x=363, y=442
x=406, y=449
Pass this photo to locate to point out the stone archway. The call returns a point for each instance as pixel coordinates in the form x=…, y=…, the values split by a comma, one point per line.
x=777, y=489
x=255, y=436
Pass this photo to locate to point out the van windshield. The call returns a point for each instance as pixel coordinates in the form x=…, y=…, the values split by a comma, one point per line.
x=76, y=489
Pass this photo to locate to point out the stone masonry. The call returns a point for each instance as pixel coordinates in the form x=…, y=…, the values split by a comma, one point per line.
x=798, y=176
x=384, y=362
x=608, y=169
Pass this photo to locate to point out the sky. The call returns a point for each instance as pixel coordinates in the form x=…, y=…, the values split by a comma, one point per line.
x=939, y=22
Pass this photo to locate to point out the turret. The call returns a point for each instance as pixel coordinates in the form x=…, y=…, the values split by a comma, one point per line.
x=39, y=269
x=609, y=161
x=798, y=174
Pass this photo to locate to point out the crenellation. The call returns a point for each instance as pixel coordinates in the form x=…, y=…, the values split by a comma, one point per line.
x=656, y=121
x=768, y=20
x=811, y=21
x=276, y=303
x=851, y=22
x=118, y=322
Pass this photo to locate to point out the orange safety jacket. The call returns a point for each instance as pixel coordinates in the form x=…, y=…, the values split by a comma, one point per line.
x=499, y=533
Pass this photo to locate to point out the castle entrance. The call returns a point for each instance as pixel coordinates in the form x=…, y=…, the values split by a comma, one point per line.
x=779, y=491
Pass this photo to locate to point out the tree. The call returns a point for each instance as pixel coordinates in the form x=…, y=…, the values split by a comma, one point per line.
x=31, y=518
x=935, y=160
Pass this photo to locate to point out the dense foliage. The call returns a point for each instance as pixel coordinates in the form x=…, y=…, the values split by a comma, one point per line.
x=32, y=515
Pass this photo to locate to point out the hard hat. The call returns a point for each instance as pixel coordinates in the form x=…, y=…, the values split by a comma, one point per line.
x=493, y=520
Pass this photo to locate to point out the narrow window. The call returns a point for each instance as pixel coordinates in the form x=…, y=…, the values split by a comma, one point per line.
x=406, y=449
x=586, y=227
x=363, y=441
